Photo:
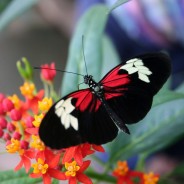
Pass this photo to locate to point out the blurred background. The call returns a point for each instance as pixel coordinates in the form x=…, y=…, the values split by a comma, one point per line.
x=42, y=34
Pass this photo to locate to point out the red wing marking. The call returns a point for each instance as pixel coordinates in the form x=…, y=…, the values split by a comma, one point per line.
x=86, y=100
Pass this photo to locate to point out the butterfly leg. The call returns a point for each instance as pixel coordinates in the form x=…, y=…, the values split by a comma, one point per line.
x=114, y=117
x=79, y=85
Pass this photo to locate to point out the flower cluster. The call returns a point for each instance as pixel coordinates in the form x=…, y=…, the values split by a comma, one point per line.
x=19, y=124
x=126, y=176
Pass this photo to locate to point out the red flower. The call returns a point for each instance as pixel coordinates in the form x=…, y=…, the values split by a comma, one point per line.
x=33, y=103
x=47, y=167
x=74, y=173
x=48, y=72
x=79, y=152
x=25, y=161
x=126, y=176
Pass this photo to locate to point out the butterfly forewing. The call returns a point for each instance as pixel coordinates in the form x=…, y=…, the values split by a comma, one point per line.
x=128, y=91
x=145, y=75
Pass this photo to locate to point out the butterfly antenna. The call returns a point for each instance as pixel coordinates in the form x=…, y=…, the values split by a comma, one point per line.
x=58, y=70
x=84, y=54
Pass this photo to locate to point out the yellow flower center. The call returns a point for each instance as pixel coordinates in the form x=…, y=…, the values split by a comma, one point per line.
x=14, y=146
x=71, y=168
x=150, y=178
x=16, y=101
x=40, y=167
x=45, y=104
x=27, y=90
x=38, y=119
x=122, y=168
x=37, y=143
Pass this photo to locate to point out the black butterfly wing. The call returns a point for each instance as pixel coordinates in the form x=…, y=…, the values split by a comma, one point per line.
x=77, y=118
x=129, y=88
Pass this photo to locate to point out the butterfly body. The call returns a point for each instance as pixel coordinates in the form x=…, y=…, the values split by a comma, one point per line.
x=95, y=115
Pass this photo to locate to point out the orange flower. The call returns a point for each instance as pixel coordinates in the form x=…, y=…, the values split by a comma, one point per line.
x=27, y=90
x=125, y=175
x=150, y=178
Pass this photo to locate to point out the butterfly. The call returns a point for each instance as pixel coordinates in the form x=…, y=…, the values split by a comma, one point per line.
x=96, y=114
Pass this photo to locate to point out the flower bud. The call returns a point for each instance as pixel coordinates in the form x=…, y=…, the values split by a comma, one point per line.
x=2, y=97
x=24, y=144
x=7, y=104
x=15, y=115
x=26, y=72
x=3, y=123
x=28, y=122
x=8, y=142
x=16, y=135
x=11, y=127
x=2, y=111
x=48, y=72
x=1, y=132
x=6, y=136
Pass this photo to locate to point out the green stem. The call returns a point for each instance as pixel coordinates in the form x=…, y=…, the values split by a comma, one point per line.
x=101, y=177
x=140, y=166
x=46, y=89
x=53, y=94
x=21, y=129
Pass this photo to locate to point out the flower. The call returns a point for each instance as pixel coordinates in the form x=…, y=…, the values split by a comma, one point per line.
x=32, y=104
x=74, y=173
x=45, y=104
x=7, y=104
x=27, y=90
x=15, y=114
x=46, y=167
x=40, y=167
x=126, y=176
x=48, y=72
x=79, y=152
x=3, y=122
x=37, y=143
x=25, y=160
x=150, y=178
x=38, y=119
x=71, y=168
x=16, y=101
x=14, y=146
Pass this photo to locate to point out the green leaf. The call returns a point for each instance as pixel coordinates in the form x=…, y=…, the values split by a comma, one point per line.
x=166, y=96
x=14, y=9
x=110, y=56
x=180, y=88
x=19, y=177
x=118, y=3
x=91, y=25
x=179, y=170
x=160, y=127
x=4, y=4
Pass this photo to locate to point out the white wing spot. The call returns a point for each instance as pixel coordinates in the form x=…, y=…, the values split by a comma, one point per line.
x=63, y=109
x=137, y=65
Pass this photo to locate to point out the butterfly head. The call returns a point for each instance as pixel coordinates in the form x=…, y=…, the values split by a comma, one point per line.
x=87, y=79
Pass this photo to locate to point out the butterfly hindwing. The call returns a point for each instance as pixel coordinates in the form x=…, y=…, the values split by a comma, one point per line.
x=77, y=118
